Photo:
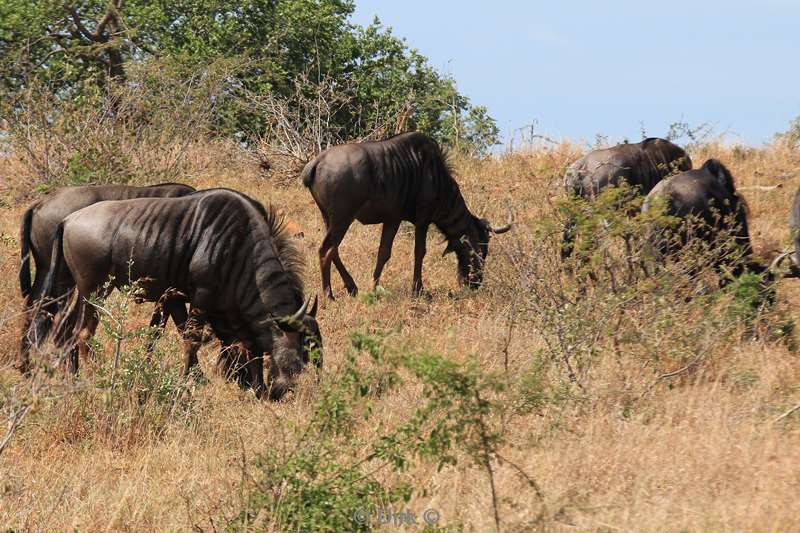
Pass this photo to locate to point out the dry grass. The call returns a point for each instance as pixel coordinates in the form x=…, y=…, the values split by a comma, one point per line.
x=699, y=453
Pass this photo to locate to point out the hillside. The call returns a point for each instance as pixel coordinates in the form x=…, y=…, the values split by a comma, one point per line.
x=672, y=421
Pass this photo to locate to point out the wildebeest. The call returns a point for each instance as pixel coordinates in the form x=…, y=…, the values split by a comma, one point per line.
x=794, y=225
x=641, y=165
x=793, y=252
x=39, y=225
x=706, y=201
x=224, y=251
x=405, y=177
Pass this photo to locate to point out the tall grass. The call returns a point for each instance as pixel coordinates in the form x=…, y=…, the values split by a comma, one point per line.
x=620, y=395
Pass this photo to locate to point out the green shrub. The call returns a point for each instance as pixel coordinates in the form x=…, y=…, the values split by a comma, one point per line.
x=330, y=475
x=618, y=294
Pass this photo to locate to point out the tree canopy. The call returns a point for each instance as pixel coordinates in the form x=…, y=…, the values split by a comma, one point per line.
x=285, y=47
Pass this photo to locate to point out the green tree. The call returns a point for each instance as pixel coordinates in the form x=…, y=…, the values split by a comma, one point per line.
x=279, y=41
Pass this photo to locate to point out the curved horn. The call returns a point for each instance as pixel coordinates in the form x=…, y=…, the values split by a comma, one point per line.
x=503, y=229
x=298, y=316
x=776, y=263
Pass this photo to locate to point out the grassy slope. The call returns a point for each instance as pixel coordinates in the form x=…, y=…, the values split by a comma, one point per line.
x=702, y=455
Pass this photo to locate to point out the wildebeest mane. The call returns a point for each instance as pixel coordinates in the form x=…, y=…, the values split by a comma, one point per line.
x=291, y=258
x=408, y=159
x=452, y=217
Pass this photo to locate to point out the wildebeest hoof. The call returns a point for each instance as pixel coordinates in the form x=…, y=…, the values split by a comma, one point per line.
x=423, y=294
x=352, y=291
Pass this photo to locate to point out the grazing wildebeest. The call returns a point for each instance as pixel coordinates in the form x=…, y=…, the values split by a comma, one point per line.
x=641, y=165
x=38, y=228
x=385, y=182
x=794, y=225
x=708, y=204
x=224, y=251
x=793, y=252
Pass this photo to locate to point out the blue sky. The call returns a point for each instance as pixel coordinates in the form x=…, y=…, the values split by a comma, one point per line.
x=585, y=67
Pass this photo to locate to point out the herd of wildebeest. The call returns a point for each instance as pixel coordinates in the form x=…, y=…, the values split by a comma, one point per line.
x=230, y=260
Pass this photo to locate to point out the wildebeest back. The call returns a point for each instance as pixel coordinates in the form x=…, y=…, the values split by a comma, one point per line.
x=709, y=194
x=43, y=217
x=641, y=165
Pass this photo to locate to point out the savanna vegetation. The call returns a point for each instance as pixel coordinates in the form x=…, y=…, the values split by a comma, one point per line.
x=612, y=394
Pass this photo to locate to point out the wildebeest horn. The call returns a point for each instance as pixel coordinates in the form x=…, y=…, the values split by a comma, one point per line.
x=298, y=316
x=776, y=263
x=503, y=229
x=293, y=324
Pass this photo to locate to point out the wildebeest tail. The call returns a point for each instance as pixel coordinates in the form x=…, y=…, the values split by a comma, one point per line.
x=25, y=252
x=56, y=260
x=46, y=308
x=309, y=172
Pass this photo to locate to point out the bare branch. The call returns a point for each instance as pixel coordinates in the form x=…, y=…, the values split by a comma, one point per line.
x=18, y=414
x=787, y=413
x=82, y=30
x=110, y=16
x=761, y=187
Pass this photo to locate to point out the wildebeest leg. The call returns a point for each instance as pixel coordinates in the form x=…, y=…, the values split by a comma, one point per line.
x=231, y=363
x=24, y=364
x=86, y=329
x=794, y=257
x=420, y=238
x=26, y=343
x=192, y=338
x=76, y=325
x=257, y=346
x=157, y=324
x=349, y=283
x=255, y=370
x=169, y=305
x=388, y=233
x=36, y=325
x=328, y=251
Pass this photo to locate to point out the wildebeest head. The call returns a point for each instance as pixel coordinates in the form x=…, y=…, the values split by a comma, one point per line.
x=298, y=342
x=472, y=248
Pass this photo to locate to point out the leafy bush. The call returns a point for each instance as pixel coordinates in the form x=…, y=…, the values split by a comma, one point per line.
x=134, y=132
x=329, y=475
x=129, y=398
x=617, y=294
